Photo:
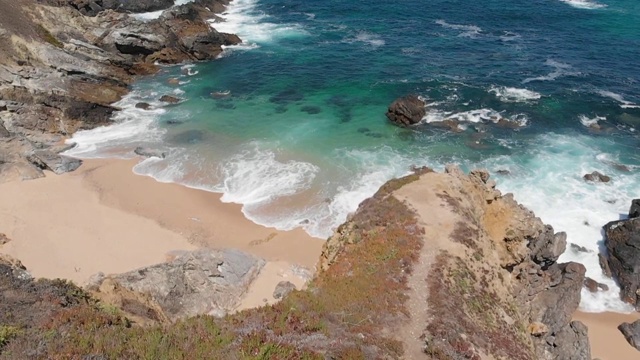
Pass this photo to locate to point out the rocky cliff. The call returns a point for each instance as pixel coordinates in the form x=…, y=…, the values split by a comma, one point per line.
x=63, y=63
x=433, y=266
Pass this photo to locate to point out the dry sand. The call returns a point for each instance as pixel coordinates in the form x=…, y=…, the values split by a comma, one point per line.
x=607, y=342
x=103, y=217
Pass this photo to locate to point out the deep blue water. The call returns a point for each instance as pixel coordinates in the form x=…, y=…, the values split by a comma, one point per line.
x=302, y=138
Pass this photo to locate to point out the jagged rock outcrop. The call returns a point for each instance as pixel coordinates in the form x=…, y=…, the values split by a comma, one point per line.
x=407, y=110
x=634, y=210
x=63, y=62
x=596, y=176
x=194, y=283
x=622, y=261
x=492, y=286
x=631, y=332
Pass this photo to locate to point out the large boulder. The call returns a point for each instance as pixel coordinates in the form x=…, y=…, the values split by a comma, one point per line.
x=631, y=332
x=634, y=210
x=622, y=240
x=407, y=110
x=197, y=282
x=59, y=164
x=596, y=176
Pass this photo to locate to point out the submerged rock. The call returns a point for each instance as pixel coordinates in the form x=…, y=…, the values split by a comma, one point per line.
x=407, y=110
x=147, y=152
x=170, y=99
x=311, y=110
x=596, y=177
x=143, y=106
x=631, y=332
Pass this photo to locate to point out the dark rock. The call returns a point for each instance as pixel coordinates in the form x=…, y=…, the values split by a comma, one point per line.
x=174, y=122
x=503, y=172
x=448, y=124
x=622, y=239
x=143, y=106
x=59, y=164
x=405, y=111
x=594, y=286
x=311, y=110
x=631, y=332
x=604, y=265
x=363, y=130
x=555, y=306
x=146, y=152
x=634, y=211
x=283, y=289
x=596, y=177
x=548, y=247
x=188, y=137
x=287, y=96
x=579, y=248
x=170, y=99
x=571, y=343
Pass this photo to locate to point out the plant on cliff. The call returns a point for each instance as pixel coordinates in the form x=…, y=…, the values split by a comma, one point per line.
x=346, y=312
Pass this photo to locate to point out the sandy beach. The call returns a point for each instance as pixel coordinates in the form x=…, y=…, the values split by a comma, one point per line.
x=104, y=218
x=607, y=342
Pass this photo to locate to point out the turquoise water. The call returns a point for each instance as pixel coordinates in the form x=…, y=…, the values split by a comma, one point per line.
x=301, y=138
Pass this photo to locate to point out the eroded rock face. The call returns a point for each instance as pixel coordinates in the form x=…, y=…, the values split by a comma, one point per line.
x=622, y=240
x=405, y=111
x=197, y=282
x=596, y=177
x=631, y=332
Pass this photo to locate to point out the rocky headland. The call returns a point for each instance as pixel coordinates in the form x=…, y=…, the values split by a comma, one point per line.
x=434, y=265
x=63, y=63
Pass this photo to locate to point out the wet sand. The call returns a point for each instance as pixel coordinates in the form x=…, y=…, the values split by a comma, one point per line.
x=607, y=342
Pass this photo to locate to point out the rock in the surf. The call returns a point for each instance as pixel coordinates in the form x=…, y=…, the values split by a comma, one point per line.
x=596, y=177
x=634, y=210
x=622, y=239
x=143, y=106
x=170, y=99
x=147, y=152
x=594, y=286
x=631, y=332
x=407, y=110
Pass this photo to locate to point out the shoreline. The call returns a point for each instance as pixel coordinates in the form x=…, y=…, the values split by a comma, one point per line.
x=105, y=218
x=607, y=342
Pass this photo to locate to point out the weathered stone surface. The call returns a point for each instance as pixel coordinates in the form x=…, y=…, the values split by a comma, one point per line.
x=196, y=282
x=283, y=289
x=548, y=247
x=631, y=332
x=634, y=210
x=169, y=99
x=571, y=343
x=146, y=152
x=405, y=111
x=596, y=177
x=59, y=164
x=4, y=133
x=622, y=240
x=593, y=286
x=143, y=106
x=3, y=239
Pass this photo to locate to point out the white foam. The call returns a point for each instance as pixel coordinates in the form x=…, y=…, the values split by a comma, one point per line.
x=368, y=38
x=130, y=125
x=473, y=116
x=619, y=98
x=584, y=4
x=256, y=176
x=509, y=36
x=471, y=31
x=252, y=26
x=548, y=180
x=588, y=122
x=561, y=69
x=510, y=94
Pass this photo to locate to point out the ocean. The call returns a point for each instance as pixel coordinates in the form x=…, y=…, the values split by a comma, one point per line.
x=291, y=124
